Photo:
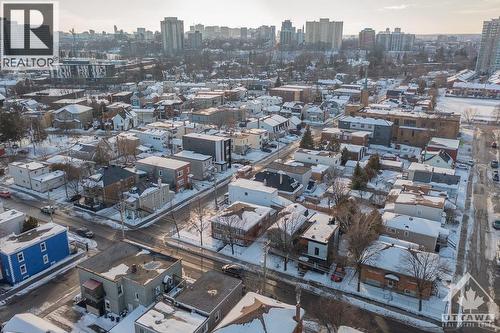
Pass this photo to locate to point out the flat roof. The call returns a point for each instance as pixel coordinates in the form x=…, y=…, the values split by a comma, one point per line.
x=247, y=215
x=118, y=261
x=163, y=162
x=206, y=137
x=321, y=228
x=15, y=243
x=166, y=318
x=208, y=291
x=188, y=154
x=414, y=224
x=252, y=184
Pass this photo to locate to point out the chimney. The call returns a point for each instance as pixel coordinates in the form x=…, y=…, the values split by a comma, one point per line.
x=281, y=178
x=159, y=182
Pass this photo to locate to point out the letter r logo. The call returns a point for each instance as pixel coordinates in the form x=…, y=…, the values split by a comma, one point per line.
x=28, y=29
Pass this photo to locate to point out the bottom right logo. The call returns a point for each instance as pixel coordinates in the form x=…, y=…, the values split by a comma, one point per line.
x=469, y=305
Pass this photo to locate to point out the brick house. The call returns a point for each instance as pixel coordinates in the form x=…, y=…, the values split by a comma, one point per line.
x=174, y=172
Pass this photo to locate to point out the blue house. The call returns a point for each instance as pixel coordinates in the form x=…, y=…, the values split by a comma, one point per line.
x=26, y=254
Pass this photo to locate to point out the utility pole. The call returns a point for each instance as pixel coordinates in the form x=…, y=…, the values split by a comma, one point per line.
x=121, y=209
x=215, y=189
x=264, y=275
x=50, y=206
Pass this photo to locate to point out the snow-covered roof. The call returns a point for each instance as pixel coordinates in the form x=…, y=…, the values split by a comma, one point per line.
x=165, y=318
x=30, y=165
x=366, y=121
x=206, y=137
x=321, y=229
x=15, y=243
x=74, y=109
x=419, y=199
x=10, y=215
x=252, y=185
x=412, y=224
x=192, y=155
x=255, y=313
x=475, y=85
x=444, y=143
x=48, y=176
x=247, y=215
x=414, y=166
x=162, y=162
x=29, y=323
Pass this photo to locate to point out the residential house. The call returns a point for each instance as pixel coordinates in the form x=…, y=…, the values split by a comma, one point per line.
x=241, y=223
x=125, y=120
x=360, y=138
x=380, y=129
x=315, y=114
x=255, y=313
x=439, y=159
x=418, y=205
x=146, y=116
x=220, y=116
x=318, y=242
x=164, y=317
x=171, y=171
x=388, y=271
x=212, y=295
x=291, y=223
x=146, y=198
x=257, y=137
x=253, y=192
x=73, y=116
x=287, y=186
x=106, y=186
x=323, y=157
x=441, y=178
x=216, y=146
x=450, y=146
x=11, y=221
x=355, y=152
x=202, y=166
x=293, y=108
x=36, y=176
x=429, y=235
x=157, y=139
x=48, y=96
x=207, y=99
x=125, y=276
x=25, y=254
x=275, y=125
x=297, y=171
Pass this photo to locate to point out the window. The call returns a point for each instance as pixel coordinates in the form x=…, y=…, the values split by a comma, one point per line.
x=137, y=297
x=180, y=173
x=316, y=251
x=157, y=290
x=20, y=257
x=391, y=283
x=107, y=305
x=120, y=289
x=246, y=193
x=43, y=247
x=406, y=233
x=45, y=258
x=217, y=316
x=22, y=268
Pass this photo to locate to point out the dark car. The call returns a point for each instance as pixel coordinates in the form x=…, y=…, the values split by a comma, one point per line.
x=233, y=270
x=496, y=177
x=496, y=224
x=84, y=232
x=494, y=144
x=272, y=145
x=266, y=150
x=494, y=164
x=48, y=209
x=4, y=194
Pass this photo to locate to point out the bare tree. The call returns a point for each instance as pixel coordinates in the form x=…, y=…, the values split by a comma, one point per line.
x=283, y=234
x=72, y=175
x=363, y=230
x=229, y=226
x=345, y=213
x=102, y=154
x=126, y=148
x=337, y=189
x=333, y=313
x=469, y=114
x=198, y=219
x=424, y=268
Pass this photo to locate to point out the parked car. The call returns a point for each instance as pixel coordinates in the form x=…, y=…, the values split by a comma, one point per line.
x=4, y=194
x=233, y=270
x=48, y=209
x=266, y=150
x=84, y=232
x=494, y=164
x=462, y=166
x=496, y=177
x=272, y=145
x=494, y=145
x=496, y=223
x=339, y=274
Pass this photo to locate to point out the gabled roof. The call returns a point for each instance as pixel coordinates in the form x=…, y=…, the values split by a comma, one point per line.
x=278, y=180
x=113, y=174
x=74, y=109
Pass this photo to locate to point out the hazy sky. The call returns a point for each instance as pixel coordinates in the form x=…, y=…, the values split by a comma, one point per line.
x=416, y=16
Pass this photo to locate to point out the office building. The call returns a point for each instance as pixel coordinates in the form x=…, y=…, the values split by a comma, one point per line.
x=287, y=34
x=488, y=59
x=172, y=35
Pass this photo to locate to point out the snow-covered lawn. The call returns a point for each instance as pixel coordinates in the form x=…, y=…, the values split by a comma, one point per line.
x=482, y=107
x=53, y=144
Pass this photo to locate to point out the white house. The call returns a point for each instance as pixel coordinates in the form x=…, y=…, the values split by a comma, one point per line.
x=251, y=191
x=319, y=239
x=123, y=121
x=36, y=176
x=317, y=157
x=157, y=139
x=267, y=100
x=276, y=125
x=11, y=221
x=419, y=205
x=440, y=159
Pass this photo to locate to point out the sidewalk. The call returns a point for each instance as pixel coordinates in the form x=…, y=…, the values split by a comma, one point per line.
x=316, y=288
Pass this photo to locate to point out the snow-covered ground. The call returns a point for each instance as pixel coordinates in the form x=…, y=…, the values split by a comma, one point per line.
x=54, y=144
x=483, y=108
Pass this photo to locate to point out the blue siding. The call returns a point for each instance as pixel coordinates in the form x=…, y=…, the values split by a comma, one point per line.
x=57, y=248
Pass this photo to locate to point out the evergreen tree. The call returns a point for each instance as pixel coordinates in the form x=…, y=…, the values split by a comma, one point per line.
x=373, y=166
x=12, y=126
x=359, y=178
x=30, y=223
x=307, y=141
x=344, y=156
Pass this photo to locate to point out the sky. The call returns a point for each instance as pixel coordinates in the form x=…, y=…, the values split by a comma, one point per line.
x=413, y=16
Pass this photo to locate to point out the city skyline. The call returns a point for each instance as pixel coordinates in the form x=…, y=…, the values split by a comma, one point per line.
x=463, y=18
